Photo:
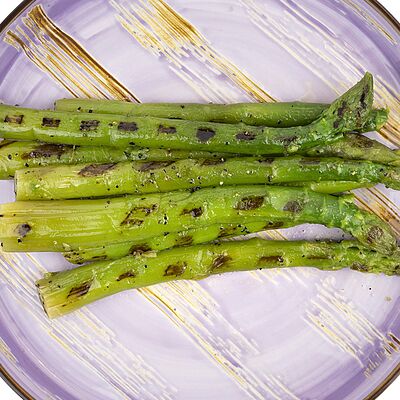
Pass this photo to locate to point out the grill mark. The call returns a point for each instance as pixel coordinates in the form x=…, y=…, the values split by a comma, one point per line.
x=266, y=160
x=138, y=249
x=145, y=210
x=51, y=122
x=248, y=136
x=205, y=134
x=363, y=142
x=175, y=269
x=185, y=240
x=46, y=150
x=374, y=234
x=128, y=126
x=132, y=219
x=90, y=125
x=96, y=169
x=14, y=119
x=166, y=129
x=342, y=109
x=194, y=212
x=274, y=225
x=152, y=165
x=220, y=261
x=363, y=97
x=99, y=258
x=250, y=203
x=356, y=266
x=81, y=290
x=212, y=161
x=128, y=221
x=293, y=206
x=288, y=140
x=23, y=230
x=126, y=275
x=271, y=260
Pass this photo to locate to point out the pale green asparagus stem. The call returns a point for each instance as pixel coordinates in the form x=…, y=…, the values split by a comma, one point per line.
x=99, y=180
x=64, y=292
x=19, y=155
x=211, y=233
x=277, y=115
x=68, y=224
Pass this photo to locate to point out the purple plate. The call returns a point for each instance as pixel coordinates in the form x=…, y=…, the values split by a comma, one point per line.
x=278, y=334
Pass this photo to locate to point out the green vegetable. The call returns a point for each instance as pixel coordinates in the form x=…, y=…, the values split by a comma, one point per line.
x=69, y=224
x=277, y=115
x=197, y=236
x=190, y=237
x=351, y=111
x=357, y=147
x=19, y=155
x=99, y=180
x=63, y=292
x=377, y=120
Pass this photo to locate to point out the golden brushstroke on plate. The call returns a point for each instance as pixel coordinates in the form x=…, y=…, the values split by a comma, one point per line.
x=192, y=310
x=351, y=338
x=125, y=374
x=163, y=31
x=64, y=59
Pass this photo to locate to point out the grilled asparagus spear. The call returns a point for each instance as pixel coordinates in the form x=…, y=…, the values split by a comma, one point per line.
x=275, y=115
x=99, y=180
x=211, y=233
x=18, y=155
x=66, y=291
x=68, y=224
x=350, y=112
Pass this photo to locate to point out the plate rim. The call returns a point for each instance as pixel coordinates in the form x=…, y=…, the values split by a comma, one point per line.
x=17, y=387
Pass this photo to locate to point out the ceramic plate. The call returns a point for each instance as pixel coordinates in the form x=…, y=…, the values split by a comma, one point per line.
x=276, y=334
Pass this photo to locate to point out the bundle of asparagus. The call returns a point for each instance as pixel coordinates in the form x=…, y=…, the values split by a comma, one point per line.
x=195, y=174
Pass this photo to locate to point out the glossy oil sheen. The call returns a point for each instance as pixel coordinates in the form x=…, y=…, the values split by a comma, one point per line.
x=279, y=334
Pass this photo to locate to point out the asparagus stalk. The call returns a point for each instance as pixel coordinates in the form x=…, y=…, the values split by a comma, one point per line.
x=197, y=236
x=18, y=155
x=357, y=147
x=64, y=292
x=68, y=224
x=277, y=115
x=211, y=233
x=351, y=111
x=99, y=180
